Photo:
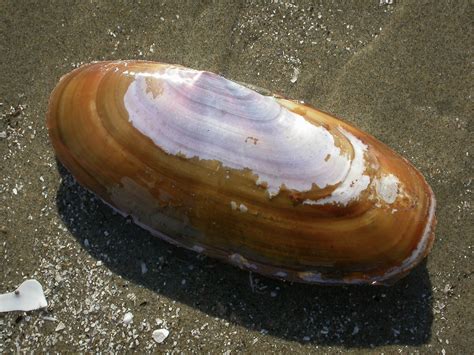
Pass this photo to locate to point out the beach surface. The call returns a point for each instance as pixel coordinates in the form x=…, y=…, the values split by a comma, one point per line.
x=401, y=71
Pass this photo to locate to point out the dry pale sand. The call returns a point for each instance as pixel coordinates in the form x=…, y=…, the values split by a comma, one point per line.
x=400, y=71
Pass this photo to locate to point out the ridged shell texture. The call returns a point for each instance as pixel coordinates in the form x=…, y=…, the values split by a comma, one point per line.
x=269, y=184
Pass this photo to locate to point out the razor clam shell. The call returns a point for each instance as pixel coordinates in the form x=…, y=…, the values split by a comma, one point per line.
x=265, y=183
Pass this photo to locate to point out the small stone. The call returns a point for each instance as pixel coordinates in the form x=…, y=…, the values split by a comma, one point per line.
x=127, y=318
x=160, y=335
x=143, y=267
x=3, y=134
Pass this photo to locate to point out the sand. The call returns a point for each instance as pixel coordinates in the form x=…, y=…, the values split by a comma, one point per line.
x=400, y=71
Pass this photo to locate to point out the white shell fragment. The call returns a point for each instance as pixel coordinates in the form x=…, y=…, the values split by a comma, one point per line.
x=296, y=73
x=160, y=335
x=127, y=318
x=61, y=326
x=27, y=297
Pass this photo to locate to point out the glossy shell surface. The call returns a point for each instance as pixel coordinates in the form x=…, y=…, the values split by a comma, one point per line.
x=268, y=184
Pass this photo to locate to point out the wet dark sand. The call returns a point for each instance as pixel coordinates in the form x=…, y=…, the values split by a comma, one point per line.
x=401, y=72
